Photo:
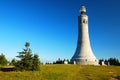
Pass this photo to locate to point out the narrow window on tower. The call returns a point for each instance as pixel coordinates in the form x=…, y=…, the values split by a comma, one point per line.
x=84, y=21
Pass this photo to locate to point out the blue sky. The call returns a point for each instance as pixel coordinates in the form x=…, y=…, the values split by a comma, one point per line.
x=51, y=27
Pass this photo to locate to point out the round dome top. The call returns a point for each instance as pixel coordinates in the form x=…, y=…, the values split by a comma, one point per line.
x=83, y=9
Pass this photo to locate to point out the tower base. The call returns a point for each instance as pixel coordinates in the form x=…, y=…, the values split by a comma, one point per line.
x=84, y=61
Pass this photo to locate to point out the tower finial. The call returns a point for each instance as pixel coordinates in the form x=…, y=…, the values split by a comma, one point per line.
x=83, y=10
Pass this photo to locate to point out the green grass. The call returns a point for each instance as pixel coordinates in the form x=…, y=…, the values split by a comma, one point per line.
x=66, y=72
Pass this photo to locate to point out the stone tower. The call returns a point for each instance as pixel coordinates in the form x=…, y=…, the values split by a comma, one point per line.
x=83, y=54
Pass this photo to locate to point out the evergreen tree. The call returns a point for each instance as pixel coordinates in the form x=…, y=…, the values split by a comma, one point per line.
x=3, y=60
x=36, y=62
x=27, y=60
x=106, y=62
x=100, y=61
x=114, y=61
x=13, y=62
x=59, y=61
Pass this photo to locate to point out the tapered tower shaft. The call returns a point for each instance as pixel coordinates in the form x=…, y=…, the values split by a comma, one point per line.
x=83, y=54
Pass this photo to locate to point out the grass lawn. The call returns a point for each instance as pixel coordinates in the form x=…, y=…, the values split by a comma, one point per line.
x=66, y=72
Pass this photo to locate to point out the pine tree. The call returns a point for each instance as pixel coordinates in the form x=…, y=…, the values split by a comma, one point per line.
x=27, y=60
x=36, y=62
x=3, y=60
x=13, y=62
x=114, y=61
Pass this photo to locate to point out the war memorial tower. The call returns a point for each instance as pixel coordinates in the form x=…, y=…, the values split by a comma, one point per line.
x=83, y=54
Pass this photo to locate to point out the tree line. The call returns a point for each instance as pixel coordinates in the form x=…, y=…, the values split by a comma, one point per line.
x=110, y=61
x=26, y=61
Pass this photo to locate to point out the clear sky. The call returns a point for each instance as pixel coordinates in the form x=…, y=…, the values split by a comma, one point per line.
x=51, y=27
